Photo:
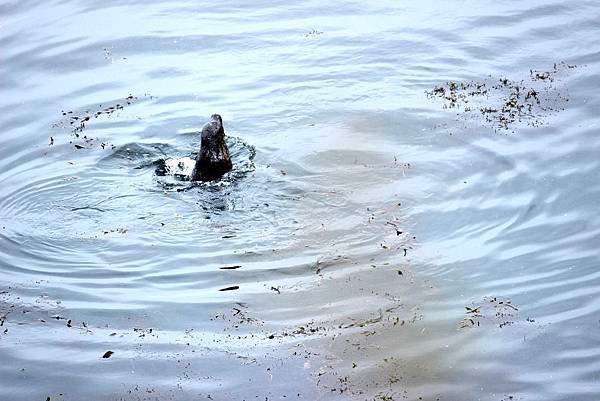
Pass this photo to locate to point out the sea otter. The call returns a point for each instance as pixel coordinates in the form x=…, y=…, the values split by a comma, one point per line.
x=213, y=158
x=211, y=161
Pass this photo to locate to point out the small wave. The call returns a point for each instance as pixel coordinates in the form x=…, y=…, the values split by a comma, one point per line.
x=178, y=169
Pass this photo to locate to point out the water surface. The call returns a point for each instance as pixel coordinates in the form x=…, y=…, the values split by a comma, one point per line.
x=374, y=244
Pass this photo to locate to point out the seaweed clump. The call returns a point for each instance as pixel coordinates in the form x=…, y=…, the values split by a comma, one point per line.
x=503, y=103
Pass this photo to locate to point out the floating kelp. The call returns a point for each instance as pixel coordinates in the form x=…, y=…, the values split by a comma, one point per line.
x=503, y=103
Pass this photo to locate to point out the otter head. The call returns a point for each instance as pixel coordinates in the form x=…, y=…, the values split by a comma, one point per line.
x=213, y=158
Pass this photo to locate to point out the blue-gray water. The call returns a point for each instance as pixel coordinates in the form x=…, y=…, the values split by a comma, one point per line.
x=362, y=221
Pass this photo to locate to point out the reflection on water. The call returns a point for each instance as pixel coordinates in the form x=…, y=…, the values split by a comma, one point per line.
x=369, y=244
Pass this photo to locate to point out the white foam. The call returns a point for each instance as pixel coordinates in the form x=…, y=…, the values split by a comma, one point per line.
x=182, y=166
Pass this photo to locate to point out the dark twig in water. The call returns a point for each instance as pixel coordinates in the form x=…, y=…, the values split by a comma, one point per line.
x=232, y=288
x=93, y=206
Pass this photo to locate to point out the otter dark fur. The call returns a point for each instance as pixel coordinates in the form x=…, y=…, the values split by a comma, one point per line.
x=213, y=158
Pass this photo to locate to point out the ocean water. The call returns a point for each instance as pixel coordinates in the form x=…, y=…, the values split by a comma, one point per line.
x=412, y=214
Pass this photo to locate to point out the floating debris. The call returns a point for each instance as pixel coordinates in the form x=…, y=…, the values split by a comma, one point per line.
x=494, y=310
x=232, y=288
x=230, y=267
x=78, y=122
x=119, y=230
x=503, y=103
x=313, y=33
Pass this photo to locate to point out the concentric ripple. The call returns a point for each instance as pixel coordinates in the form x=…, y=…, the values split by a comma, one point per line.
x=371, y=243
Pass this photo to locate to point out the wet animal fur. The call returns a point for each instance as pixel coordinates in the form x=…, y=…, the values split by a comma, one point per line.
x=213, y=159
